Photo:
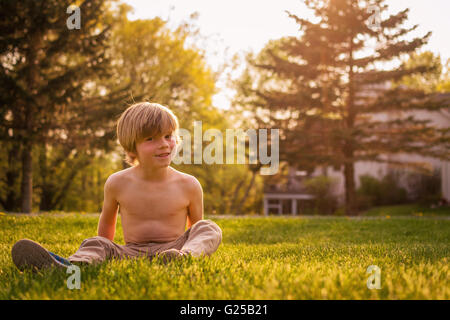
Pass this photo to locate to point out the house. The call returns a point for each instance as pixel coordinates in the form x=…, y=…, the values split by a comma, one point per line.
x=278, y=197
x=378, y=170
x=286, y=198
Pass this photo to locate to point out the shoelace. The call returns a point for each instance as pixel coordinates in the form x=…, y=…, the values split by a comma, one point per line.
x=60, y=259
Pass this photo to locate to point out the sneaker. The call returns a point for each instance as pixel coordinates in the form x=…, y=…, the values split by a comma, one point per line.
x=172, y=254
x=29, y=254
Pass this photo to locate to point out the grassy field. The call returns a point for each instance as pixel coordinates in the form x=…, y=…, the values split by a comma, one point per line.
x=260, y=258
x=408, y=210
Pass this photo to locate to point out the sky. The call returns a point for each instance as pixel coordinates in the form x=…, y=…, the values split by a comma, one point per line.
x=235, y=26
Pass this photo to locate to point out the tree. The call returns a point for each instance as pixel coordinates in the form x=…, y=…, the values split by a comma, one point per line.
x=322, y=90
x=45, y=70
x=162, y=67
x=428, y=81
x=437, y=80
x=140, y=69
x=444, y=83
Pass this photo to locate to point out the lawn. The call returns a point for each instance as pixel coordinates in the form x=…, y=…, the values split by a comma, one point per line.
x=408, y=210
x=260, y=258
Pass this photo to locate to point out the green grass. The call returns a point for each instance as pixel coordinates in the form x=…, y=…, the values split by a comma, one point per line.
x=260, y=258
x=408, y=210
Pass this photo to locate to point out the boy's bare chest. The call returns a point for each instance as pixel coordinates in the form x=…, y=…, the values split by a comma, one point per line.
x=153, y=202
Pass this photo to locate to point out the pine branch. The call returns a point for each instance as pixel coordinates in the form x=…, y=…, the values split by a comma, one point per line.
x=288, y=69
x=395, y=20
x=402, y=99
x=371, y=77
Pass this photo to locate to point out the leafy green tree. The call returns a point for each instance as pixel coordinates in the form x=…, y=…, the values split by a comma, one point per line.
x=437, y=80
x=45, y=70
x=162, y=67
x=428, y=81
x=86, y=190
x=143, y=60
x=444, y=83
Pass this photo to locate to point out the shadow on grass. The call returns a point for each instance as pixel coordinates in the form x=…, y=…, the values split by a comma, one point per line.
x=43, y=283
x=91, y=271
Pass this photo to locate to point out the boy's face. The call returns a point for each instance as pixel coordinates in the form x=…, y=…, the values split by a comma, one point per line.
x=156, y=151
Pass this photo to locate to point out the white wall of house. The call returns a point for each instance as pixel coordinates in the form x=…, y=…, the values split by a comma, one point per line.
x=440, y=119
x=374, y=169
x=378, y=169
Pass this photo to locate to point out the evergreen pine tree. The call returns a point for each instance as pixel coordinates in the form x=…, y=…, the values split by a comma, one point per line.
x=326, y=89
x=46, y=65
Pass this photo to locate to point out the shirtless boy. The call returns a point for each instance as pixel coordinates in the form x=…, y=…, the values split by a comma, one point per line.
x=156, y=202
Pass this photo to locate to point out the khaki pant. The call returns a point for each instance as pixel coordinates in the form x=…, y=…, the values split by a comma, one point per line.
x=203, y=238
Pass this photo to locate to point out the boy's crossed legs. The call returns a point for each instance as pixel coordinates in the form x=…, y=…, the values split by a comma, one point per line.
x=203, y=238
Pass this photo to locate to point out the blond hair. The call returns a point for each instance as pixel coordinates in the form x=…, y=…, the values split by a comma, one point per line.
x=142, y=120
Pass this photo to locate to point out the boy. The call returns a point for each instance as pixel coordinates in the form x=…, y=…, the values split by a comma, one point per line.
x=155, y=201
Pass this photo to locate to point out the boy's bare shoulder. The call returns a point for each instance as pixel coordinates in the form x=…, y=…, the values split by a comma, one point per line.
x=118, y=178
x=188, y=180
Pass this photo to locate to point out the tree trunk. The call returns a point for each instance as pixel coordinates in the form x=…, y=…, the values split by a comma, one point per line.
x=235, y=197
x=27, y=177
x=77, y=166
x=349, y=166
x=46, y=194
x=247, y=191
x=28, y=134
x=11, y=202
x=349, y=174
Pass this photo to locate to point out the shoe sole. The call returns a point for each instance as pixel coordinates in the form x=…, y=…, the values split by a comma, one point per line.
x=27, y=254
x=171, y=255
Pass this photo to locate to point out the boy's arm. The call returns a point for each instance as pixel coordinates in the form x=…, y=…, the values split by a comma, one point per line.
x=195, y=209
x=108, y=217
